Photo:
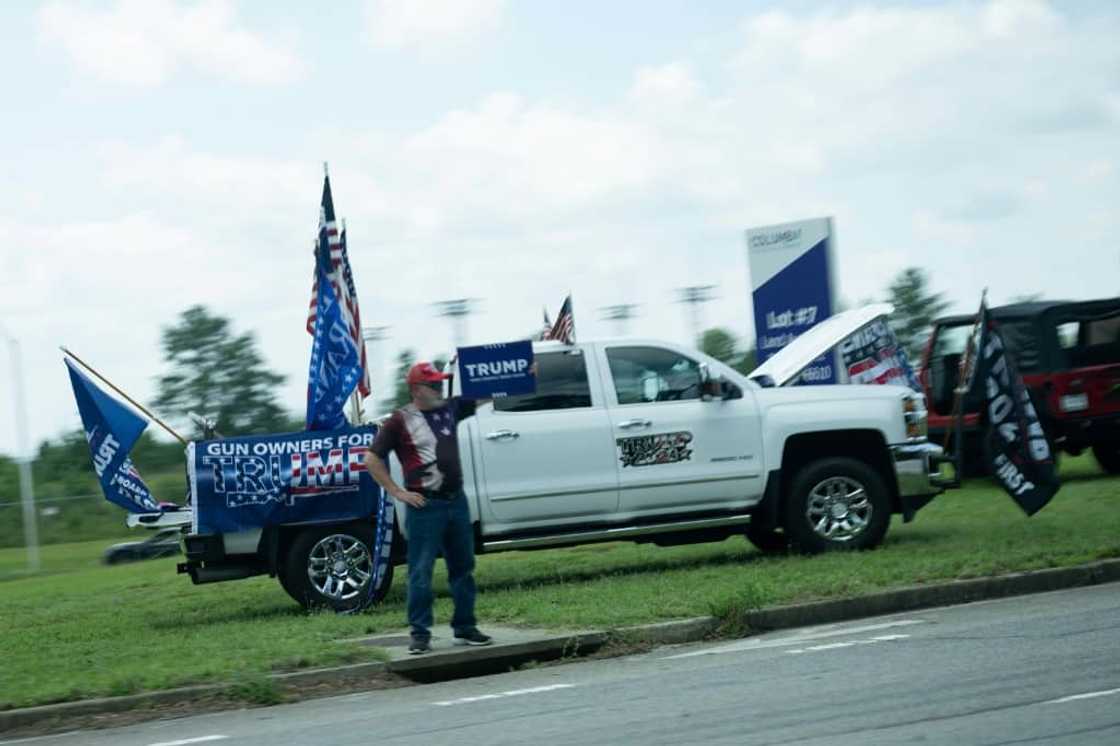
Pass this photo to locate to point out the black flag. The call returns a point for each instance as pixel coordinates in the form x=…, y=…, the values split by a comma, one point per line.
x=1017, y=449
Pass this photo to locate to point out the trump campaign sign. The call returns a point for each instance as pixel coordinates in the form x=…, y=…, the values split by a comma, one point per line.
x=268, y=480
x=792, y=288
x=497, y=370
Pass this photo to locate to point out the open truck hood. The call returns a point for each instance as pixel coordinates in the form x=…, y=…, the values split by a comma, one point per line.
x=788, y=363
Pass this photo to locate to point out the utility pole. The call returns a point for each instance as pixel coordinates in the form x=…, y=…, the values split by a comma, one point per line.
x=457, y=310
x=692, y=296
x=26, y=489
x=621, y=315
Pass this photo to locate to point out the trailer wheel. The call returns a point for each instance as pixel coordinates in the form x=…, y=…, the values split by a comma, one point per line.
x=332, y=567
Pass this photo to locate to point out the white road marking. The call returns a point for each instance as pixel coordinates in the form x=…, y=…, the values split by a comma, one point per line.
x=43, y=738
x=848, y=644
x=1087, y=695
x=801, y=639
x=501, y=695
x=185, y=741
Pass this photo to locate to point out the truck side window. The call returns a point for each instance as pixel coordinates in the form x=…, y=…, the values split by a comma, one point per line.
x=561, y=384
x=652, y=374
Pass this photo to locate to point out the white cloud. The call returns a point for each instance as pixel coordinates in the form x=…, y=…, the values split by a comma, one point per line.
x=144, y=42
x=428, y=24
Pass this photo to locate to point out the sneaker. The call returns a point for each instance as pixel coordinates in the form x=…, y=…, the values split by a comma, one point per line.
x=472, y=637
x=419, y=645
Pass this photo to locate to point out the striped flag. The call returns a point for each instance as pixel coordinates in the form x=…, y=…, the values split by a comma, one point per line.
x=546, y=330
x=342, y=281
x=564, y=330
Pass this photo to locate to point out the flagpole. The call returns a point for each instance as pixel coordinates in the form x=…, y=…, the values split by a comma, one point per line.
x=131, y=401
x=957, y=414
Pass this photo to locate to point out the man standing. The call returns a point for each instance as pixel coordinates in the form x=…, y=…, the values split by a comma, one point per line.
x=423, y=435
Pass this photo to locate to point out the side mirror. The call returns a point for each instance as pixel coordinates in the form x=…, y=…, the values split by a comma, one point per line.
x=710, y=388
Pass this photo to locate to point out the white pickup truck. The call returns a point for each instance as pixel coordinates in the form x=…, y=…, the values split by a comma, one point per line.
x=646, y=440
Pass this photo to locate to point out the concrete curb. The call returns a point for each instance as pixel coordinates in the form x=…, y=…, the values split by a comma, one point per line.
x=482, y=661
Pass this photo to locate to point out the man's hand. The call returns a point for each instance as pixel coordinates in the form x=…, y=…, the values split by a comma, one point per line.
x=413, y=499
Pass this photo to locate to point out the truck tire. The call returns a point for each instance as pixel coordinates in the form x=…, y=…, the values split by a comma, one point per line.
x=767, y=540
x=1108, y=456
x=332, y=567
x=836, y=503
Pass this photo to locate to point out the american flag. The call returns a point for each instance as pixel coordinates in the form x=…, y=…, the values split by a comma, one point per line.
x=342, y=280
x=546, y=330
x=564, y=330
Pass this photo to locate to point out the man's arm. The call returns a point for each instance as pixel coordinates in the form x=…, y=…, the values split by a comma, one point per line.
x=381, y=475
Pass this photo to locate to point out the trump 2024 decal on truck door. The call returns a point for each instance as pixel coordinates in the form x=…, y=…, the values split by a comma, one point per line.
x=650, y=450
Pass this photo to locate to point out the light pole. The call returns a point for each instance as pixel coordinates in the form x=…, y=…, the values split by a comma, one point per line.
x=375, y=334
x=693, y=296
x=621, y=315
x=457, y=310
x=26, y=490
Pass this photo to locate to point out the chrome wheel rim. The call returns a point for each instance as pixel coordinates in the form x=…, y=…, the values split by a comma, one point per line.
x=839, y=509
x=339, y=567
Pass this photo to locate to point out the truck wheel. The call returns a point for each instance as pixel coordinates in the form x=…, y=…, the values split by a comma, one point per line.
x=767, y=540
x=1108, y=456
x=332, y=567
x=836, y=503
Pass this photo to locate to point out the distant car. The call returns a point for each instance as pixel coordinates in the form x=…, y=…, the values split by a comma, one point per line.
x=163, y=543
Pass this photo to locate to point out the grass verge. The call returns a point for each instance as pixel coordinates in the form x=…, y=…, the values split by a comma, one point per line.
x=80, y=629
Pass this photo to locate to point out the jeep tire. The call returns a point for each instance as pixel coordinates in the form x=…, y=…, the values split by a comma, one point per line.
x=1108, y=455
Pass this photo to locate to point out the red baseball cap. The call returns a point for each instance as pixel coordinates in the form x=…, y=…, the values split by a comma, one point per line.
x=425, y=373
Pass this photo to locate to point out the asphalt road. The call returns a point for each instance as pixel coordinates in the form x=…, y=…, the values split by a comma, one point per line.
x=1039, y=669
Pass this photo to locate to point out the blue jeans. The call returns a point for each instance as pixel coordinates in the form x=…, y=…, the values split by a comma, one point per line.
x=440, y=525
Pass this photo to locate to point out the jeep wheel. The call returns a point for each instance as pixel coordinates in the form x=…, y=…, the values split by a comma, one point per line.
x=836, y=503
x=332, y=567
x=1108, y=456
x=767, y=540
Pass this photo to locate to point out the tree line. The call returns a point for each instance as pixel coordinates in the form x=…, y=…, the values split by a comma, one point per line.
x=218, y=372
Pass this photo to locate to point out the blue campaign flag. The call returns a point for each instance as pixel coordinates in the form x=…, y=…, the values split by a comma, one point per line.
x=496, y=370
x=268, y=480
x=111, y=430
x=336, y=365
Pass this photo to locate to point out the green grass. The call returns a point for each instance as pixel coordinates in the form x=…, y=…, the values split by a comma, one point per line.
x=81, y=629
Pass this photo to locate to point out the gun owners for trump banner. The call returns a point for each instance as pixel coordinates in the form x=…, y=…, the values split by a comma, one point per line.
x=267, y=480
x=792, y=288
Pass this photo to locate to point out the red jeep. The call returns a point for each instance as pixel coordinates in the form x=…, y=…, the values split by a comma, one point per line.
x=1069, y=356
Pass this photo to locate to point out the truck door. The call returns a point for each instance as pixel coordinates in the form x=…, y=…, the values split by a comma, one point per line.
x=549, y=456
x=674, y=449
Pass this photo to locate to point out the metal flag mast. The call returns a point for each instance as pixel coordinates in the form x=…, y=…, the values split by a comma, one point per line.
x=130, y=400
x=965, y=373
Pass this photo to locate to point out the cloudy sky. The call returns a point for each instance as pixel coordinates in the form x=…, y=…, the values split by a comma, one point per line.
x=158, y=154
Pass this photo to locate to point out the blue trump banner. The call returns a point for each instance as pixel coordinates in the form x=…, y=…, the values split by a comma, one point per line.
x=111, y=430
x=267, y=480
x=336, y=365
x=497, y=370
x=792, y=288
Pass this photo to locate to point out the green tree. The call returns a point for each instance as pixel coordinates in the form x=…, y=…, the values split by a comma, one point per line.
x=723, y=345
x=720, y=344
x=915, y=308
x=218, y=374
x=401, y=394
